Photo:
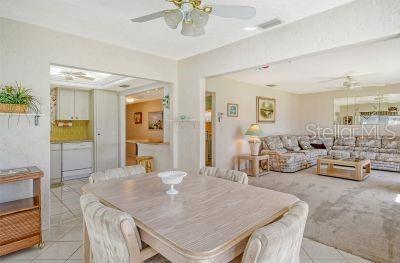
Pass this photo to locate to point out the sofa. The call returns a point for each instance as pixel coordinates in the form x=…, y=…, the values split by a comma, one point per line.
x=287, y=153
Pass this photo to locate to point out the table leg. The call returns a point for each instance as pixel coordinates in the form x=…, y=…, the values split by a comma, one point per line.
x=86, y=245
x=256, y=168
x=368, y=168
x=359, y=172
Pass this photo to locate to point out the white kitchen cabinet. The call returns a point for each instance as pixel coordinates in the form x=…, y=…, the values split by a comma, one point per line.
x=55, y=163
x=82, y=102
x=72, y=104
x=65, y=104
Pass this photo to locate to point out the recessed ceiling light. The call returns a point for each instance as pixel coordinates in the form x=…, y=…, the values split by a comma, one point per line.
x=250, y=28
x=130, y=100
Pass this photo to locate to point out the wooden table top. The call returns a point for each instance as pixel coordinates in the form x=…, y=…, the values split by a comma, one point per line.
x=349, y=161
x=208, y=216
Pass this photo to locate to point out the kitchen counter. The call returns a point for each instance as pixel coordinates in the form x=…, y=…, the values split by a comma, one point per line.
x=70, y=141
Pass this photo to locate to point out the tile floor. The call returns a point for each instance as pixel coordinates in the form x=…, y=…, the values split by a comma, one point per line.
x=63, y=241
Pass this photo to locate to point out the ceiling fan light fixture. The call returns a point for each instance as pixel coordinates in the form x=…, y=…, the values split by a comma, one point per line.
x=199, y=18
x=191, y=30
x=173, y=18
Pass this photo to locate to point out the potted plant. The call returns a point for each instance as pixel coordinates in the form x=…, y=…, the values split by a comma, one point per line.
x=18, y=99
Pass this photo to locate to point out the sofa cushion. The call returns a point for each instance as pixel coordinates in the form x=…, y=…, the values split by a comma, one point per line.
x=364, y=155
x=343, y=148
x=369, y=141
x=327, y=141
x=273, y=143
x=366, y=149
x=345, y=141
x=314, y=153
x=383, y=150
x=305, y=145
x=389, y=142
x=388, y=157
x=290, y=142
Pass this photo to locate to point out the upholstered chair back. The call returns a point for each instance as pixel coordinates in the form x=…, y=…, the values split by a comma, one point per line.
x=116, y=173
x=235, y=176
x=279, y=242
x=113, y=235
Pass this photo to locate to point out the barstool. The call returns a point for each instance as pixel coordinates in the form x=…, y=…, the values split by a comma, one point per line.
x=146, y=162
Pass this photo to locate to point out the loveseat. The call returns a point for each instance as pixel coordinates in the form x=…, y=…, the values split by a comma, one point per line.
x=287, y=153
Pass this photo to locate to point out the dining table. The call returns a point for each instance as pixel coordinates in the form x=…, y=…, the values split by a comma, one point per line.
x=209, y=220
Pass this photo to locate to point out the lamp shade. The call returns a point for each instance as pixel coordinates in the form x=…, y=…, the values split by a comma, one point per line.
x=173, y=18
x=254, y=130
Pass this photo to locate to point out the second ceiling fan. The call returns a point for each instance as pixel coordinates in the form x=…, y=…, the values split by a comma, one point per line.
x=194, y=15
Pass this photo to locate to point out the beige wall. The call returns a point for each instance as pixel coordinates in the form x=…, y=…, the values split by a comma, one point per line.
x=229, y=137
x=141, y=131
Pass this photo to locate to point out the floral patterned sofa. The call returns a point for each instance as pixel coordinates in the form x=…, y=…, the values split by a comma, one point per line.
x=287, y=156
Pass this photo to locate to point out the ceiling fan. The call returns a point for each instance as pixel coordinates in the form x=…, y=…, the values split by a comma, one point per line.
x=194, y=15
x=350, y=83
x=69, y=75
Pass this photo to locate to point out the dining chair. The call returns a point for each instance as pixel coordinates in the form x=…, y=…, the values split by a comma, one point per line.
x=232, y=175
x=116, y=173
x=279, y=242
x=113, y=234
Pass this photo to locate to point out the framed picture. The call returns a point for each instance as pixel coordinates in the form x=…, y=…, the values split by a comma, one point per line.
x=266, y=109
x=138, y=117
x=156, y=120
x=233, y=110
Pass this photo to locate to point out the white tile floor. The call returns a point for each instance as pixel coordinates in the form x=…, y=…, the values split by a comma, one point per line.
x=63, y=241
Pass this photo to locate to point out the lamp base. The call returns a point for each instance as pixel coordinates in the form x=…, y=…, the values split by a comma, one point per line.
x=254, y=143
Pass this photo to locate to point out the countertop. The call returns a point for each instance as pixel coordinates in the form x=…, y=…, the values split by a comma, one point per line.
x=145, y=141
x=69, y=141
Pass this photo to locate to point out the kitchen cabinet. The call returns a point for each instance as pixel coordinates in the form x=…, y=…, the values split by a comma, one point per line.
x=72, y=104
x=82, y=102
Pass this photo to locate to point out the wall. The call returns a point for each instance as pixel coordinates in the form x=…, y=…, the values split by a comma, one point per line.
x=318, y=109
x=141, y=131
x=229, y=137
x=358, y=22
x=26, y=54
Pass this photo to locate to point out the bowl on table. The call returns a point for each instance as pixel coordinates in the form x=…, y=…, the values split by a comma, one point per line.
x=172, y=178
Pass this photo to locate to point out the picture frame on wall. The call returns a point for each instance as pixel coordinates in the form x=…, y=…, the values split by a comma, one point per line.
x=138, y=117
x=266, y=109
x=156, y=120
x=233, y=110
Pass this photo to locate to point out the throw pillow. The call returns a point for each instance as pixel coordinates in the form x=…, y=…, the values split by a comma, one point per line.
x=318, y=146
x=305, y=145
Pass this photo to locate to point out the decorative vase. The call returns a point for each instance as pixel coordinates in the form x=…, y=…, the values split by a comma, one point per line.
x=13, y=108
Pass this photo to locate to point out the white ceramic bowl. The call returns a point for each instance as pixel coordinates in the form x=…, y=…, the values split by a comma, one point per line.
x=172, y=178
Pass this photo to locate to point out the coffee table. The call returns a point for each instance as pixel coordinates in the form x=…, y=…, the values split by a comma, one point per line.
x=353, y=169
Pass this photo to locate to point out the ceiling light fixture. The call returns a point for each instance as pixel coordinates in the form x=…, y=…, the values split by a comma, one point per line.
x=194, y=16
x=130, y=100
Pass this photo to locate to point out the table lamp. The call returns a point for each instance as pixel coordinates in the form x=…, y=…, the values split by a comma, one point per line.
x=254, y=131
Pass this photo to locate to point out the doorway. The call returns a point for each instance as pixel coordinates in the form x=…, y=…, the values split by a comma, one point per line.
x=144, y=113
x=209, y=128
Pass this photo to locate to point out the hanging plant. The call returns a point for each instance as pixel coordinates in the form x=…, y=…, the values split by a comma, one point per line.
x=166, y=101
x=18, y=99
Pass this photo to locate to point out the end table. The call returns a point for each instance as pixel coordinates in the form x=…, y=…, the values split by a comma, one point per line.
x=253, y=164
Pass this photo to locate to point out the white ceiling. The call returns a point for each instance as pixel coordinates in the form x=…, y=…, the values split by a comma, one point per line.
x=377, y=63
x=148, y=95
x=101, y=80
x=109, y=21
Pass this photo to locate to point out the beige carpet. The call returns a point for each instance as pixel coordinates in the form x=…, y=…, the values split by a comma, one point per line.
x=361, y=218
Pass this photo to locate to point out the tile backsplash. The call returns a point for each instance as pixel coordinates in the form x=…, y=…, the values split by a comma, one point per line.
x=78, y=131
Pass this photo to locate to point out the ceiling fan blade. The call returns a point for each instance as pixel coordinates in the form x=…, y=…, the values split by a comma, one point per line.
x=149, y=17
x=83, y=77
x=234, y=11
